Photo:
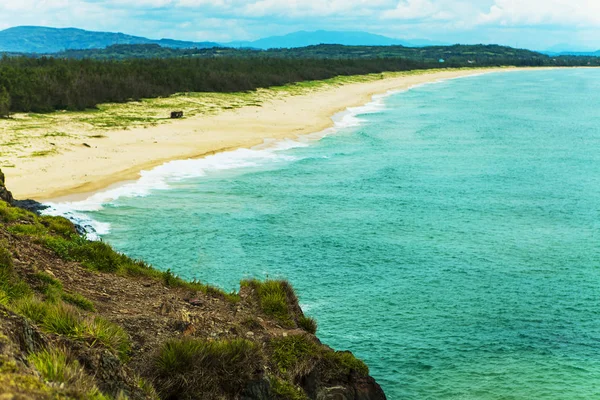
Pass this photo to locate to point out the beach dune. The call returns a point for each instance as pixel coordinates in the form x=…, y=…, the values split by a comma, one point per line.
x=122, y=154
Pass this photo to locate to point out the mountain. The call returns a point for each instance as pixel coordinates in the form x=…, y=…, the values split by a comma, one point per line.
x=304, y=38
x=36, y=39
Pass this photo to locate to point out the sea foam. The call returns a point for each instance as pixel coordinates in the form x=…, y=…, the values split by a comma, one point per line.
x=163, y=176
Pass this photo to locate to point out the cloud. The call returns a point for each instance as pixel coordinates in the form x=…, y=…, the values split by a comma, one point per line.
x=418, y=10
x=543, y=12
x=540, y=22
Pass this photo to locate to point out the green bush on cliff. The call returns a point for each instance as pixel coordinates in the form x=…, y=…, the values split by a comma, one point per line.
x=308, y=324
x=196, y=368
x=295, y=355
x=298, y=355
x=273, y=297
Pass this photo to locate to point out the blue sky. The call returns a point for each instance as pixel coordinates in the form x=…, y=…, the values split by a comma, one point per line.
x=537, y=24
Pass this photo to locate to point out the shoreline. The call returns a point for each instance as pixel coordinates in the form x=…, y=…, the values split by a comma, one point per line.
x=122, y=155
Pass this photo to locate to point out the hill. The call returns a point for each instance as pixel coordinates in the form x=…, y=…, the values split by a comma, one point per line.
x=36, y=39
x=80, y=321
x=304, y=39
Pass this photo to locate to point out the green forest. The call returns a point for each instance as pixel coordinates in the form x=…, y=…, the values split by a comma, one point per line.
x=82, y=79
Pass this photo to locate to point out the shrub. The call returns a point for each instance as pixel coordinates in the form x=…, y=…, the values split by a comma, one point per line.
x=308, y=324
x=194, y=368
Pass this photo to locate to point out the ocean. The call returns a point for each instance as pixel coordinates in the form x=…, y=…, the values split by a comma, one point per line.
x=449, y=235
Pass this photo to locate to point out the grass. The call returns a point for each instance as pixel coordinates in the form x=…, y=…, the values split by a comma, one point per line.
x=308, y=324
x=286, y=391
x=296, y=356
x=66, y=320
x=37, y=129
x=59, y=235
x=274, y=299
x=57, y=367
x=78, y=301
x=196, y=368
x=11, y=214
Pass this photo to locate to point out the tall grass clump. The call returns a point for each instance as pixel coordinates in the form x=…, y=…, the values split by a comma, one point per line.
x=57, y=367
x=295, y=355
x=63, y=319
x=274, y=299
x=195, y=368
x=308, y=324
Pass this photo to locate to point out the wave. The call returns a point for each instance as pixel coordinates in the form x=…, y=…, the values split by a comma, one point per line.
x=163, y=176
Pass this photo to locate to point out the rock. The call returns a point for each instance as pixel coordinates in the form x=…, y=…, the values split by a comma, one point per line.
x=4, y=193
x=334, y=393
x=196, y=302
x=30, y=205
x=258, y=390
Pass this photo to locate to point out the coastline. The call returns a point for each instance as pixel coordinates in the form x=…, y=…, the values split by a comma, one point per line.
x=122, y=154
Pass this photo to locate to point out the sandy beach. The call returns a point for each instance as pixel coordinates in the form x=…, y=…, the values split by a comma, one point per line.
x=120, y=155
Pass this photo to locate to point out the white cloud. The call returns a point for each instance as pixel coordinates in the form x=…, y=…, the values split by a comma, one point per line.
x=543, y=12
x=418, y=9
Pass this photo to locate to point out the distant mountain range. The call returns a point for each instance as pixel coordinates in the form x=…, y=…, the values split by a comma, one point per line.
x=35, y=39
x=43, y=40
x=303, y=39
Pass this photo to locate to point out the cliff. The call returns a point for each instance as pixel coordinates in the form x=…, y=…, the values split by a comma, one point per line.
x=80, y=321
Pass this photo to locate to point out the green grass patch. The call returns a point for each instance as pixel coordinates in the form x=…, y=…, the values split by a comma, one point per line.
x=57, y=367
x=274, y=299
x=344, y=362
x=12, y=214
x=308, y=324
x=195, y=368
x=63, y=319
x=284, y=390
x=297, y=355
x=78, y=301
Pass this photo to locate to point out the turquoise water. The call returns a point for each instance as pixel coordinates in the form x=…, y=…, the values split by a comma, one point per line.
x=451, y=240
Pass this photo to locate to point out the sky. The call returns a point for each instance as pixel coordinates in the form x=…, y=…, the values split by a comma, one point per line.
x=534, y=24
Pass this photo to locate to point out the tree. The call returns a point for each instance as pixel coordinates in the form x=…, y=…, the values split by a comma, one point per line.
x=4, y=103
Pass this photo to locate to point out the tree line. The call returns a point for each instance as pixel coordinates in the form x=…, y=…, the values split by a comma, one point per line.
x=45, y=84
x=48, y=84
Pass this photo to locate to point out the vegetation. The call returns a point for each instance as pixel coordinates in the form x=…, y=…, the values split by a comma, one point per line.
x=274, y=298
x=47, y=84
x=296, y=355
x=457, y=55
x=57, y=367
x=188, y=368
x=72, y=350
